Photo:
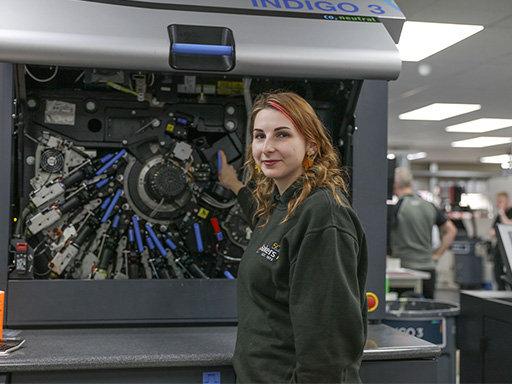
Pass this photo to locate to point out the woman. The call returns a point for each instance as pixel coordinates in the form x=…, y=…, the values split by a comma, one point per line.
x=301, y=300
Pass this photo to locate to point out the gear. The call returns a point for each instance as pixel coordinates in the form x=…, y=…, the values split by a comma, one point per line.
x=165, y=181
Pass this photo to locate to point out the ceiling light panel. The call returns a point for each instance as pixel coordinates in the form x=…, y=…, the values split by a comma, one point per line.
x=480, y=125
x=497, y=159
x=420, y=40
x=416, y=156
x=439, y=111
x=481, y=142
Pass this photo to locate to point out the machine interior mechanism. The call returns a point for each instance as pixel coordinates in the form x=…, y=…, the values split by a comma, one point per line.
x=115, y=174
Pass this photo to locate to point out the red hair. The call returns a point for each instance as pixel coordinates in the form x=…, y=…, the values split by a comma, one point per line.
x=325, y=171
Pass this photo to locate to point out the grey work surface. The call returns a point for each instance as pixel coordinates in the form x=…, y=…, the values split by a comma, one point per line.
x=503, y=297
x=114, y=348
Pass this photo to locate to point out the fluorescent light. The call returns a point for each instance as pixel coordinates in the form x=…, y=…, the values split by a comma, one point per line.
x=420, y=40
x=496, y=159
x=391, y=156
x=439, y=111
x=416, y=156
x=480, y=125
x=481, y=142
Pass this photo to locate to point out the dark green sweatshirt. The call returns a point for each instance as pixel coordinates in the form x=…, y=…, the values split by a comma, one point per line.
x=301, y=301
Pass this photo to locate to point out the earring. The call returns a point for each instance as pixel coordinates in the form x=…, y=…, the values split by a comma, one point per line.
x=257, y=168
x=308, y=160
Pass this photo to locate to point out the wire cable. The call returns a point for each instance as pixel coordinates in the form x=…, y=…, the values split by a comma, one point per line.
x=42, y=80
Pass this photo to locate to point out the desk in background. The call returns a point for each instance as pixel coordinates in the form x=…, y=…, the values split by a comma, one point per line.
x=407, y=278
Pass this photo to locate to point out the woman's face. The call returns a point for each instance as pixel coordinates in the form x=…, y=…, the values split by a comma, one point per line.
x=278, y=148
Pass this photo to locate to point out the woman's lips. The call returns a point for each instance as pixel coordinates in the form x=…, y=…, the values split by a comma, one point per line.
x=270, y=163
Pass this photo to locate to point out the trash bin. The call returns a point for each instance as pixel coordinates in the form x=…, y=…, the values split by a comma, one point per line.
x=430, y=320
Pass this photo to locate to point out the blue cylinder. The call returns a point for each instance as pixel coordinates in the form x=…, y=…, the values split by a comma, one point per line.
x=170, y=243
x=156, y=240
x=105, y=203
x=112, y=205
x=103, y=182
x=199, y=239
x=150, y=243
x=106, y=158
x=111, y=161
x=228, y=275
x=138, y=236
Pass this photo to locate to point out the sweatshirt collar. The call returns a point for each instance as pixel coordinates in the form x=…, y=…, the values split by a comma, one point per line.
x=292, y=192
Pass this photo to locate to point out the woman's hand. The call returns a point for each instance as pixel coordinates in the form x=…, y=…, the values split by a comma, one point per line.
x=227, y=175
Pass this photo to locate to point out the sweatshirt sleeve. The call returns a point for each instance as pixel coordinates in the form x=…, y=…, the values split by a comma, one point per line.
x=247, y=202
x=327, y=308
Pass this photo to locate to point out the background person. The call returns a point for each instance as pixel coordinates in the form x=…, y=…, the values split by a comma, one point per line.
x=411, y=231
x=504, y=216
x=301, y=285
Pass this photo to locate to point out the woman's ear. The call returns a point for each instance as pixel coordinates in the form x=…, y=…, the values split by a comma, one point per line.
x=311, y=147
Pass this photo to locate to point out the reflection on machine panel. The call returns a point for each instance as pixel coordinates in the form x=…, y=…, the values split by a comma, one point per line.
x=119, y=175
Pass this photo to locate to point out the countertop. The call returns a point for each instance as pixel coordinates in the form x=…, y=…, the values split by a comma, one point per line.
x=150, y=347
x=502, y=296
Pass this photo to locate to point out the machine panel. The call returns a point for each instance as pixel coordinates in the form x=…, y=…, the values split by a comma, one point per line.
x=118, y=181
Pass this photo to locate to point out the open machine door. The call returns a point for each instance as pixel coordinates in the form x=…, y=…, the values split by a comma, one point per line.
x=278, y=38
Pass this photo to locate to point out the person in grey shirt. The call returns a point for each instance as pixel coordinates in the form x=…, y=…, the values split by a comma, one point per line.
x=411, y=231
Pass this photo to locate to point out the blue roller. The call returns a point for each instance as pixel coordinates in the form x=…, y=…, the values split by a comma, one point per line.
x=219, y=163
x=106, y=158
x=103, y=182
x=131, y=236
x=136, y=229
x=202, y=49
x=115, y=223
x=170, y=243
x=111, y=161
x=199, y=239
x=105, y=203
x=228, y=275
x=150, y=243
x=156, y=240
x=112, y=205
x=182, y=121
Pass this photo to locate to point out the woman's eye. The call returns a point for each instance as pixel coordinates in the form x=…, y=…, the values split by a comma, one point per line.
x=283, y=134
x=259, y=136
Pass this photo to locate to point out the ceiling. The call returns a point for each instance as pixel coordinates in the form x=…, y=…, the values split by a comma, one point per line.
x=476, y=70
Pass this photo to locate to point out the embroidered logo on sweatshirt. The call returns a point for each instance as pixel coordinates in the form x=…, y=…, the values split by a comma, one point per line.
x=270, y=253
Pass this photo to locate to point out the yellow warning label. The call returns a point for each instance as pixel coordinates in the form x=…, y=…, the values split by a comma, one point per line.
x=170, y=127
x=203, y=213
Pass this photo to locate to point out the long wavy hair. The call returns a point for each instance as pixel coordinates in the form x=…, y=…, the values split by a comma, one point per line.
x=325, y=171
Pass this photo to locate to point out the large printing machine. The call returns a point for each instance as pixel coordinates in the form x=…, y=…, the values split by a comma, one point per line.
x=120, y=247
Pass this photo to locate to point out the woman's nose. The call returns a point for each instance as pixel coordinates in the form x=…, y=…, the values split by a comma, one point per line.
x=269, y=146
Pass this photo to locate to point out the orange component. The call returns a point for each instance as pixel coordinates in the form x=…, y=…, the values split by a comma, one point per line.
x=373, y=301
